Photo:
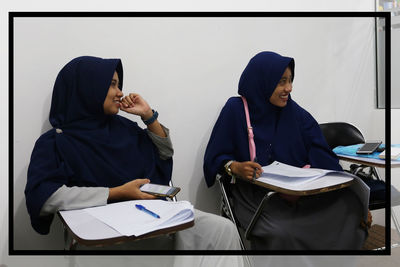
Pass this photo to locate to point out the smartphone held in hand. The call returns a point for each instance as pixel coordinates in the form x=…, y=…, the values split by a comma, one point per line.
x=160, y=190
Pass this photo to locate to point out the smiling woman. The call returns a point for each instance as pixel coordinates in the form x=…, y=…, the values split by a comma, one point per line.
x=280, y=96
x=285, y=132
x=79, y=162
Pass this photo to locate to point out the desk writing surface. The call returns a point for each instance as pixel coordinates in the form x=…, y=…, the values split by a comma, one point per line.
x=380, y=163
x=314, y=187
x=90, y=231
x=87, y=230
x=325, y=185
x=128, y=220
x=293, y=180
x=349, y=153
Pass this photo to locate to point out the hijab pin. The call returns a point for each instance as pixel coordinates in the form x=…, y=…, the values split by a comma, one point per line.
x=58, y=130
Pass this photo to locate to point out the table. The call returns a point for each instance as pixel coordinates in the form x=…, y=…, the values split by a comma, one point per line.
x=379, y=163
x=89, y=231
x=317, y=187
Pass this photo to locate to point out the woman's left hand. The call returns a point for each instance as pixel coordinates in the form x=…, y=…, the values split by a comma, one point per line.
x=135, y=104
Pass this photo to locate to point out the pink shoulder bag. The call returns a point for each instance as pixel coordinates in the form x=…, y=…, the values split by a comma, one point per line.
x=252, y=146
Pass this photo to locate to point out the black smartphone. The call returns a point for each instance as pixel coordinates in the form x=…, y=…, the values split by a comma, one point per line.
x=160, y=190
x=369, y=147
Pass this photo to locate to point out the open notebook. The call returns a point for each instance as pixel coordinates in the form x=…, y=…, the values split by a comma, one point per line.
x=127, y=220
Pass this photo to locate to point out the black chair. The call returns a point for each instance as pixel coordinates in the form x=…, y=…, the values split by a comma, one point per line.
x=345, y=134
x=342, y=133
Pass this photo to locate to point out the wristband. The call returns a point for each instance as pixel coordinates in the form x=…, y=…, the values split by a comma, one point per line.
x=228, y=167
x=152, y=118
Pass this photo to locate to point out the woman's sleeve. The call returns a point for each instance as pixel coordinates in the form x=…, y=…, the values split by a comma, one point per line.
x=221, y=146
x=69, y=198
x=319, y=153
x=45, y=175
x=163, y=144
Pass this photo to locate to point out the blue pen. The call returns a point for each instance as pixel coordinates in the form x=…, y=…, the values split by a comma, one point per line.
x=140, y=207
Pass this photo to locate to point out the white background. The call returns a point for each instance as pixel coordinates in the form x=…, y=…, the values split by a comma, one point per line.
x=186, y=68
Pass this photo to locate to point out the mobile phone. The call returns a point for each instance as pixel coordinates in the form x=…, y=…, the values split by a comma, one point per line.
x=369, y=147
x=160, y=190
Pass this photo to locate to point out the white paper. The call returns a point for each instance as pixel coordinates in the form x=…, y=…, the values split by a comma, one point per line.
x=126, y=219
x=286, y=176
x=394, y=153
x=281, y=169
x=87, y=227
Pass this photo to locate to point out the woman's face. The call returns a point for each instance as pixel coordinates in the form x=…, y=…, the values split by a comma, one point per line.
x=281, y=93
x=112, y=102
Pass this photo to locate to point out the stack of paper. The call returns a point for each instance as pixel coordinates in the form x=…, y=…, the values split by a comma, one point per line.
x=126, y=219
x=294, y=178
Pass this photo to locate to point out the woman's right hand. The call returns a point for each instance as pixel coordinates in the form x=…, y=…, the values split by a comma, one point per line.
x=246, y=169
x=129, y=191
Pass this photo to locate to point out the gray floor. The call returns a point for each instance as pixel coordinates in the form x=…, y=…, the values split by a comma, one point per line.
x=332, y=261
x=381, y=261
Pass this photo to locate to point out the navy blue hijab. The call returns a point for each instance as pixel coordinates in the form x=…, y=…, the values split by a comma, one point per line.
x=289, y=134
x=87, y=147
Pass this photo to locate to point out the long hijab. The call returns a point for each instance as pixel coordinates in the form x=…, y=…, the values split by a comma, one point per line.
x=289, y=134
x=85, y=147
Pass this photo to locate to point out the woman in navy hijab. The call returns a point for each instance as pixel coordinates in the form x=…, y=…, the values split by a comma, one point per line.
x=90, y=146
x=93, y=156
x=284, y=132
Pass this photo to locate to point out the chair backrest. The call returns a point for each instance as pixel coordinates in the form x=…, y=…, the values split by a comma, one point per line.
x=341, y=134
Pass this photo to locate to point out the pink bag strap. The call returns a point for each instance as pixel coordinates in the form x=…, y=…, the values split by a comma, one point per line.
x=252, y=145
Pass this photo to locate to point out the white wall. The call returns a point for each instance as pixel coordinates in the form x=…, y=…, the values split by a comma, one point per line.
x=169, y=64
x=186, y=68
